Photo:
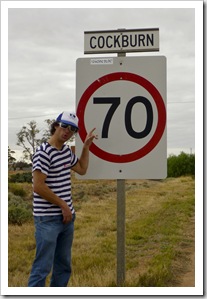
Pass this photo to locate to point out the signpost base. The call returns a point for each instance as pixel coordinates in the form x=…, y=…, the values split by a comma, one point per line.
x=120, y=232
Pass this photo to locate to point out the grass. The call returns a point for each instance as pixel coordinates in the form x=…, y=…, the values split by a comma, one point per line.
x=158, y=234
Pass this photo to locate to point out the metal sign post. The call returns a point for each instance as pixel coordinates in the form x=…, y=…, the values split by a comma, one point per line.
x=124, y=98
x=121, y=199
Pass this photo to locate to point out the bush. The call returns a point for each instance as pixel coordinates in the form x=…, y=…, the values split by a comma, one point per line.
x=19, y=210
x=18, y=215
x=25, y=177
x=183, y=164
x=16, y=189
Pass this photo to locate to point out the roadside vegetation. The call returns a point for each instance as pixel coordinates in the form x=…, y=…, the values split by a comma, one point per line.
x=159, y=229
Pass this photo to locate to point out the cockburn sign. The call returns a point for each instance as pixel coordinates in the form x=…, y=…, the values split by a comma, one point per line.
x=135, y=40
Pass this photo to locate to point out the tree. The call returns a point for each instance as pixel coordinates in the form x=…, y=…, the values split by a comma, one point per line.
x=11, y=159
x=46, y=133
x=27, y=138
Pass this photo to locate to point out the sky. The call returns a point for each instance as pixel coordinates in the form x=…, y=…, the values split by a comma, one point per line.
x=44, y=44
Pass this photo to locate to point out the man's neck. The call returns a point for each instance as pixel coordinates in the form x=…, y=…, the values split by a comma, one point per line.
x=55, y=143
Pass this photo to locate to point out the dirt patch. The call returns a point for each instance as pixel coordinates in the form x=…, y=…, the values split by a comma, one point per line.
x=187, y=260
x=188, y=279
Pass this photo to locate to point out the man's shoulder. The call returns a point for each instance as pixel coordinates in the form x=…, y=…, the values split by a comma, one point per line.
x=43, y=153
x=44, y=148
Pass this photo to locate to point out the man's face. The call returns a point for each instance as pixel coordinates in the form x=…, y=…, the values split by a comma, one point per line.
x=63, y=133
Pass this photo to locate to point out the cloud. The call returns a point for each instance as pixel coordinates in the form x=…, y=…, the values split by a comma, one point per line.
x=45, y=43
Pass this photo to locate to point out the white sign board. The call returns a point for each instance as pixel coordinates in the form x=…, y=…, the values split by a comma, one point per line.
x=134, y=40
x=124, y=99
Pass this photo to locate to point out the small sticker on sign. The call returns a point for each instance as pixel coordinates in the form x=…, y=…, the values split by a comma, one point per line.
x=102, y=61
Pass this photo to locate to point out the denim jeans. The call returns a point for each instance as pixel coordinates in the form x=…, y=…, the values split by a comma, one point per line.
x=53, y=251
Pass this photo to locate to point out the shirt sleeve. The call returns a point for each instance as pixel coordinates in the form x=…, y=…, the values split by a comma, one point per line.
x=41, y=161
x=74, y=159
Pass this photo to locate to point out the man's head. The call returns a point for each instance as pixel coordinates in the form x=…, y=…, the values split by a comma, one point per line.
x=66, y=120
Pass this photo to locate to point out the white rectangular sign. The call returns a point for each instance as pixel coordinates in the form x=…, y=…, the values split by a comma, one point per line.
x=134, y=40
x=125, y=101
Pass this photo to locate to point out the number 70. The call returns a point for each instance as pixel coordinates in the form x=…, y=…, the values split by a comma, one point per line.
x=115, y=102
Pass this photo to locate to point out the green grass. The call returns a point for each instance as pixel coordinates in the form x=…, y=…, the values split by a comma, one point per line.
x=158, y=234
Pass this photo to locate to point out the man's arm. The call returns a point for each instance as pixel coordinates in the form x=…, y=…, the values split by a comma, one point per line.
x=82, y=165
x=41, y=188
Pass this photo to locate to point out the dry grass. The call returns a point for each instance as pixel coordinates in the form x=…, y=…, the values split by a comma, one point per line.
x=158, y=236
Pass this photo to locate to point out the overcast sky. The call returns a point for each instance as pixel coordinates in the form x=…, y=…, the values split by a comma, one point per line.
x=44, y=43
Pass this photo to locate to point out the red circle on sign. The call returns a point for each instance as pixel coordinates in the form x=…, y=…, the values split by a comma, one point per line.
x=160, y=124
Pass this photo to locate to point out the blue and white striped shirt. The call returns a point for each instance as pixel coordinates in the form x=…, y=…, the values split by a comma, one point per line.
x=56, y=164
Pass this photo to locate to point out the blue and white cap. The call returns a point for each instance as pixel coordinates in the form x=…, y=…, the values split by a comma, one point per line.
x=69, y=118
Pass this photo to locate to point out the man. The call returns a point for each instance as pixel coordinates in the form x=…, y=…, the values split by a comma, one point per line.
x=53, y=209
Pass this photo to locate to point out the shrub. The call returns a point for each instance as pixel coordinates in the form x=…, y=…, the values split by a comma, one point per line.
x=183, y=164
x=16, y=189
x=18, y=215
x=25, y=177
x=19, y=210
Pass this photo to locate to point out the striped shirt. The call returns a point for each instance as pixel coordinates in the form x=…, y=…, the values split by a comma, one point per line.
x=56, y=164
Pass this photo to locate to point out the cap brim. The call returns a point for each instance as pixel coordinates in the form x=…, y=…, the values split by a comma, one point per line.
x=70, y=123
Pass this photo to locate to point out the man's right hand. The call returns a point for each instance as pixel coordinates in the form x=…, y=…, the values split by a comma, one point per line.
x=67, y=215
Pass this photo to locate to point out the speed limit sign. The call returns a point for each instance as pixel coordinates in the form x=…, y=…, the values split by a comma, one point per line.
x=124, y=99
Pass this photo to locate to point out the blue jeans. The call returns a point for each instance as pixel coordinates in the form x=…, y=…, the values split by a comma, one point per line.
x=53, y=251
